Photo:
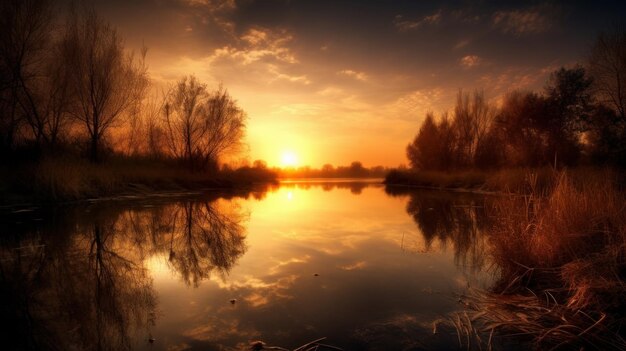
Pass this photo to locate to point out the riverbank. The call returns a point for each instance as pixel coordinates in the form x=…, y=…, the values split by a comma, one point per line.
x=560, y=261
x=65, y=179
x=514, y=180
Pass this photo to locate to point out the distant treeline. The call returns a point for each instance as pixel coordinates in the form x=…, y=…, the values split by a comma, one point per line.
x=69, y=87
x=354, y=170
x=579, y=117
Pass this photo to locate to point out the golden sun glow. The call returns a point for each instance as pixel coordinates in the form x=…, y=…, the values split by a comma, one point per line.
x=289, y=159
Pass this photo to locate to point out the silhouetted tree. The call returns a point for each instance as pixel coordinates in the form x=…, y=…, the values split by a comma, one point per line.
x=259, y=164
x=568, y=90
x=56, y=96
x=182, y=117
x=518, y=124
x=472, y=119
x=569, y=104
x=107, y=79
x=423, y=152
x=607, y=67
x=202, y=126
x=490, y=153
x=25, y=34
x=224, y=121
x=327, y=169
x=607, y=137
x=357, y=169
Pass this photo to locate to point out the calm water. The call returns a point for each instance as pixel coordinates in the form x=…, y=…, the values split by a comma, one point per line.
x=367, y=267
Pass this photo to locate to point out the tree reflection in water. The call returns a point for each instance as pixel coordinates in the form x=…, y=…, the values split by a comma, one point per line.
x=198, y=237
x=356, y=187
x=78, y=280
x=459, y=220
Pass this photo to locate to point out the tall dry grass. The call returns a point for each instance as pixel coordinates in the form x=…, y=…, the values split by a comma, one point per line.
x=561, y=259
x=509, y=180
x=65, y=178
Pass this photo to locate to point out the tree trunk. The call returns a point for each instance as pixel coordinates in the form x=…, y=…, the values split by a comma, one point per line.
x=94, y=152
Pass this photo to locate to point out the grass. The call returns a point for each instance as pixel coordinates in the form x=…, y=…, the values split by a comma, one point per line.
x=508, y=180
x=66, y=179
x=561, y=259
x=466, y=179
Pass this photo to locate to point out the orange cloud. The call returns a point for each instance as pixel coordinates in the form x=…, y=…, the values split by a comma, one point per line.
x=353, y=74
x=258, y=44
x=470, y=61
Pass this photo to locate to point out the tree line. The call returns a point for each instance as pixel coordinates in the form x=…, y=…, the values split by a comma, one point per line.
x=68, y=85
x=578, y=117
x=355, y=170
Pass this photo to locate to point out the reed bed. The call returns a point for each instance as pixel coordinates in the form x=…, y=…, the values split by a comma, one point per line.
x=561, y=263
x=56, y=179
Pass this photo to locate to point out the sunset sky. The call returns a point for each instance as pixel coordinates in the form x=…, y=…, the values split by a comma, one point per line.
x=338, y=81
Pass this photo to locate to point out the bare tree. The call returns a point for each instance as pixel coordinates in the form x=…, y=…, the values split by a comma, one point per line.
x=183, y=117
x=202, y=126
x=155, y=136
x=224, y=122
x=107, y=79
x=55, y=96
x=607, y=67
x=473, y=116
x=26, y=27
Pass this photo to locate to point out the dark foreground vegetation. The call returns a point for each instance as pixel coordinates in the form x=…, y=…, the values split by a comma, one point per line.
x=79, y=116
x=557, y=236
x=68, y=179
x=556, y=247
x=560, y=258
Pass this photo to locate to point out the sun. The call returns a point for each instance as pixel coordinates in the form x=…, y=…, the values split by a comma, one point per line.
x=289, y=159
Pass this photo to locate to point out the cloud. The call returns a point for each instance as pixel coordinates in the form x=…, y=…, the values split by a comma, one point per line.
x=462, y=43
x=212, y=11
x=513, y=78
x=404, y=25
x=354, y=266
x=470, y=61
x=331, y=91
x=522, y=22
x=258, y=56
x=273, y=69
x=216, y=5
x=414, y=105
x=215, y=329
x=257, y=44
x=353, y=74
x=300, y=109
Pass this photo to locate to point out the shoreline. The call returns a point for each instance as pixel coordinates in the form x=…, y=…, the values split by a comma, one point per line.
x=140, y=192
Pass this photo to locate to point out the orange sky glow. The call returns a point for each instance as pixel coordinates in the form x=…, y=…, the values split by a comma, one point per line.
x=339, y=82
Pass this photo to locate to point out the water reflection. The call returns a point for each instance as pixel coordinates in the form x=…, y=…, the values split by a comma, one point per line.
x=447, y=219
x=301, y=261
x=355, y=186
x=77, y=278
x=198, y=237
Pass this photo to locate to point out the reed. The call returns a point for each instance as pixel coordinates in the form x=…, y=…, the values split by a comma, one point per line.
x=560, y=255
x=66, y=179
x=513, y=180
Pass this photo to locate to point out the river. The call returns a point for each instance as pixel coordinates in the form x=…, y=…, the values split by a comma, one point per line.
x=367, y=267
